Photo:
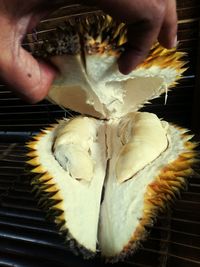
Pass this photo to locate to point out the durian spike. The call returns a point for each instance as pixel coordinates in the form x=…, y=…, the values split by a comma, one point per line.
x=32, y=154
x=34, y=161
x=159, y=195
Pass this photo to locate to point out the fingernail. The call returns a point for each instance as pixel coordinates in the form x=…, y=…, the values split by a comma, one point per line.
x=126, y=63
x=174, y=43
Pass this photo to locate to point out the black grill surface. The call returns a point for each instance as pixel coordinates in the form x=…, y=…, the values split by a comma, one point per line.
x=27, y=239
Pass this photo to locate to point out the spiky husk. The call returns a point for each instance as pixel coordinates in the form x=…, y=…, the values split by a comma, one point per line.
x=88, y=41
x=162, y=193
x=159, y=194
x=92, y=34
x=48, y=197
x=100, y=34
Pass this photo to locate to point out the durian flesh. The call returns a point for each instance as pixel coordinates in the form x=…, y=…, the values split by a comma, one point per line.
x=104, y=179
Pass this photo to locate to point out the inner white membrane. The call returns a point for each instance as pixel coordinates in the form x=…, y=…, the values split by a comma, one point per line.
x=123, y=203
x=81, y=197
x=98, y=89
x=113, y=222
x=118, y=152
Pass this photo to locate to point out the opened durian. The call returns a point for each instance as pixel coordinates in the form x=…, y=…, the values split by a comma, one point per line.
x=105, y=174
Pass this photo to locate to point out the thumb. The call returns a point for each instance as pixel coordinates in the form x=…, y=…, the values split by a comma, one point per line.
x=28, y=77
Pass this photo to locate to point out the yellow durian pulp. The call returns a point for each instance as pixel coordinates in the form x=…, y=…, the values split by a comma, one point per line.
x=105, y=174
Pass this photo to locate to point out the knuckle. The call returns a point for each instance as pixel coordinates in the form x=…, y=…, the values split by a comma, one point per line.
x=160, y=5
x=156, y=13
x=140, y=51
x=159, y=8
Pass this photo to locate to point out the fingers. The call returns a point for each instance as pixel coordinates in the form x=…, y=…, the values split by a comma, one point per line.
x=162, y=26
x=31, y=79
x=141, y=37
x=148, y=22
x=168, y=33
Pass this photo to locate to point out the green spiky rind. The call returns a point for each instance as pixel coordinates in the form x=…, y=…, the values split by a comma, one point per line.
x=162, y=193
x=47, y=195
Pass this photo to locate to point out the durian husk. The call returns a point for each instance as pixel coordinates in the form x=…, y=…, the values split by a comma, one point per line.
x=103, y=40
x=93, y=46
x=52, y=191
x=157, y=194
x=50, y=200
x=160, y=196
x=160, y=193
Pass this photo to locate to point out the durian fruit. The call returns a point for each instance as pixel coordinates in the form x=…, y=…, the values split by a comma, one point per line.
x=104, y=175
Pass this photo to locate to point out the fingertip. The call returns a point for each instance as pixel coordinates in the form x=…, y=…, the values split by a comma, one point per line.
x=124, y=68
x=174, y=42
x=168, y=41
x=129, y=60
x=168, y=32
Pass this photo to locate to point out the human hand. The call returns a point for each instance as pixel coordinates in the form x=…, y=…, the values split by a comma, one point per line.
x=147, y=20
x=30, y=78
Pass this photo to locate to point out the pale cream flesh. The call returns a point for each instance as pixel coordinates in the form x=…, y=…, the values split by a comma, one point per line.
x=77, y=154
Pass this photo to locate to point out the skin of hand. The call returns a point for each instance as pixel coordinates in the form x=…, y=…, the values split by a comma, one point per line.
x=147, y=21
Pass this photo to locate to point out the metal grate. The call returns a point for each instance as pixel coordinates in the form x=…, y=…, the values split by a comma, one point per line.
x=27, y=239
